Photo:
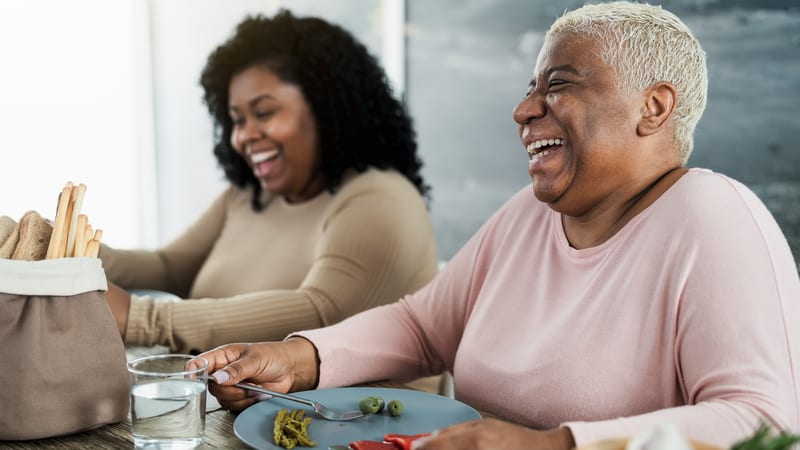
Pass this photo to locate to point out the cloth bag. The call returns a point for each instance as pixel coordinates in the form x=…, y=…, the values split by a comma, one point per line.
x=62, y=360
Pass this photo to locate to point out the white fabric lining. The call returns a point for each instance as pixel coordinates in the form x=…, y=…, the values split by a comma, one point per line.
x=57, y=277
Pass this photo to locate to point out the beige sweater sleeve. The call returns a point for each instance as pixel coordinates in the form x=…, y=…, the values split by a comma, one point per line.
x=375, y=246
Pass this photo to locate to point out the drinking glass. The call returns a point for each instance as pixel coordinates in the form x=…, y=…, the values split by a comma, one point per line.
x=168, y=402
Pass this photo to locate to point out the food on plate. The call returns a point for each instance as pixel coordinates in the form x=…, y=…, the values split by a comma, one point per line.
x=9, y=234
x=369, y=405
x=372, y=445
x=395, y=408
x=373, y=404
x=381, y=403
x=403, y=441
x=390, y=442
x=34, y=237
x=290, y=429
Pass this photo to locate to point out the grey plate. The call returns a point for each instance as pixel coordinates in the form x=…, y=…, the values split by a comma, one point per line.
x=422, y=413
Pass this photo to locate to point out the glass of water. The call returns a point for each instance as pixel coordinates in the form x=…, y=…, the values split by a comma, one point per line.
x=168, y=402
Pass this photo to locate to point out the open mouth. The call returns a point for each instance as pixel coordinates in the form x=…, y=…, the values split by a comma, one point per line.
x=543, y=147
x=263, y=157
x=262, y=162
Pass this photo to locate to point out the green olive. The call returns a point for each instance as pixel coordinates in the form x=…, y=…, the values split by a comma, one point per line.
x=395, y=407
x=381, y=403
x=368, y=405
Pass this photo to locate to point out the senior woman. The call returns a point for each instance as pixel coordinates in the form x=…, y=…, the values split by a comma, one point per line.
x=628, y=291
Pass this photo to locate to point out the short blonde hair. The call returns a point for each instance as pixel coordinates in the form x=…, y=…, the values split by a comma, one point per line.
x=647, y=44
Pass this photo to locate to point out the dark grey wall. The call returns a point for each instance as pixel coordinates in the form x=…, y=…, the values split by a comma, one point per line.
x=469, y=62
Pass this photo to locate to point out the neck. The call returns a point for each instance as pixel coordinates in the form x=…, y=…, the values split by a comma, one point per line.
x=586, y=233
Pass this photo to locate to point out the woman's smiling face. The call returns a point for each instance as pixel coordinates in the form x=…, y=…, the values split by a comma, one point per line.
x=276, y=133
x=578, y=126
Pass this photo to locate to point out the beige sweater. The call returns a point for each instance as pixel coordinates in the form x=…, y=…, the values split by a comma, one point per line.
x=254, y=276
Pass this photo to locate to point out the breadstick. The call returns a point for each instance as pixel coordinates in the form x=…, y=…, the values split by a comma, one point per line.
x=81, y=237
x=92, y=248
x=74, y=229
x=61, y=215
x=62, y=243
x=98, y=235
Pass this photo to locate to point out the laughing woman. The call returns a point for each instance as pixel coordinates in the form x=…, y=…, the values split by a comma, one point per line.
x=325, y=215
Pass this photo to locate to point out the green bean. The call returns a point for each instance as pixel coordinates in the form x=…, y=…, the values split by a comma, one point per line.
x=290, y=429
x=277, y=427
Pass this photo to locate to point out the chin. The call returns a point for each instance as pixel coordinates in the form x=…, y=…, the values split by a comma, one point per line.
x=544, y=195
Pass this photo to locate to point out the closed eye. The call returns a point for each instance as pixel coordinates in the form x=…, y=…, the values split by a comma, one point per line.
x=265, y=114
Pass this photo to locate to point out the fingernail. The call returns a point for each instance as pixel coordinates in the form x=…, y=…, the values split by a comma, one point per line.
x=221, y=376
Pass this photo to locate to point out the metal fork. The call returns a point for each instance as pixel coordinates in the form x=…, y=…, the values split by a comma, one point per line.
x=319, y=408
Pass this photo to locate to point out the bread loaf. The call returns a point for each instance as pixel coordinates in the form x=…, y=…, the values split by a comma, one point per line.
x=34, y=237
x=9, y=235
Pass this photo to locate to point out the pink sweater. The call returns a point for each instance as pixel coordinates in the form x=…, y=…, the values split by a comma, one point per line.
x=688, y=315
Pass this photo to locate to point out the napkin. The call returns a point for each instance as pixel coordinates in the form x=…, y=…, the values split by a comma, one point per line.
x=660, y=437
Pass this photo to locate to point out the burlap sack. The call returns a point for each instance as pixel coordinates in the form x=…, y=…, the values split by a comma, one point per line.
x=62, y=358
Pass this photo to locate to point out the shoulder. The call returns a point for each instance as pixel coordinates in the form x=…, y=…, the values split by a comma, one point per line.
x=376, y=186
x=720, y=218
x=710, y=197
x=386, y=182
x=235, y=197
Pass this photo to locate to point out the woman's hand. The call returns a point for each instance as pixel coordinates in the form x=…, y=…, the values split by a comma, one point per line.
x=285, y=366
x=120, y=303
x=495, y=434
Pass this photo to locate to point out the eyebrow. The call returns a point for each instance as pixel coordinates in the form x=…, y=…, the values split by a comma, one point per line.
x=253, y=102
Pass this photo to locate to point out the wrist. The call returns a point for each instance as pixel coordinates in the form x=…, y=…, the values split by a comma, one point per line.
x=561, y=438
x=306, y=363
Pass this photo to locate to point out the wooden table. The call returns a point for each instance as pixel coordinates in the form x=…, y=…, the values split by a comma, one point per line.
x=219, y=434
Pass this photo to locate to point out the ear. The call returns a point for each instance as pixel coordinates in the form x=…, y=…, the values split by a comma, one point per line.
x=658, y=107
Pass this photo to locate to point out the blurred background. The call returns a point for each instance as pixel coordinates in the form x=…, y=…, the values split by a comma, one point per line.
x=106, y=93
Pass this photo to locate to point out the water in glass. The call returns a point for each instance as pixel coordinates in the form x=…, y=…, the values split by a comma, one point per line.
x=168, y=414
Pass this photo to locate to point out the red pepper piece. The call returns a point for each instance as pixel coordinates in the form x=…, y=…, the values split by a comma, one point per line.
x=403, y=441
x=372, y=445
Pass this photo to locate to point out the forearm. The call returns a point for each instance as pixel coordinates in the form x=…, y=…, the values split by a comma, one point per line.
x=201, y=324
x=719, y=423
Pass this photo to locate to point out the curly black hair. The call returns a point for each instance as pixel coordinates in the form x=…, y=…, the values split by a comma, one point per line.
x=362, y=125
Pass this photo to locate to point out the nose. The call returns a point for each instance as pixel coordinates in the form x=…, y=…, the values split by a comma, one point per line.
x=245, y=133
x=531, y=107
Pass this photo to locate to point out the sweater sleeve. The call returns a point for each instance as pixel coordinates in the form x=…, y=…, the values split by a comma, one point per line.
x=414, y=337
x=373, y=250
x=737, y=344
x=173, y=267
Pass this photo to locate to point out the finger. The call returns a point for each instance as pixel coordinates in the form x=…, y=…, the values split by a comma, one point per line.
x=221, y=356
x=459, y=436
x=237, y=405
x=242, y=364
x=232, y=398
x=227, y=393
x=460, y=427
x=434, y=442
